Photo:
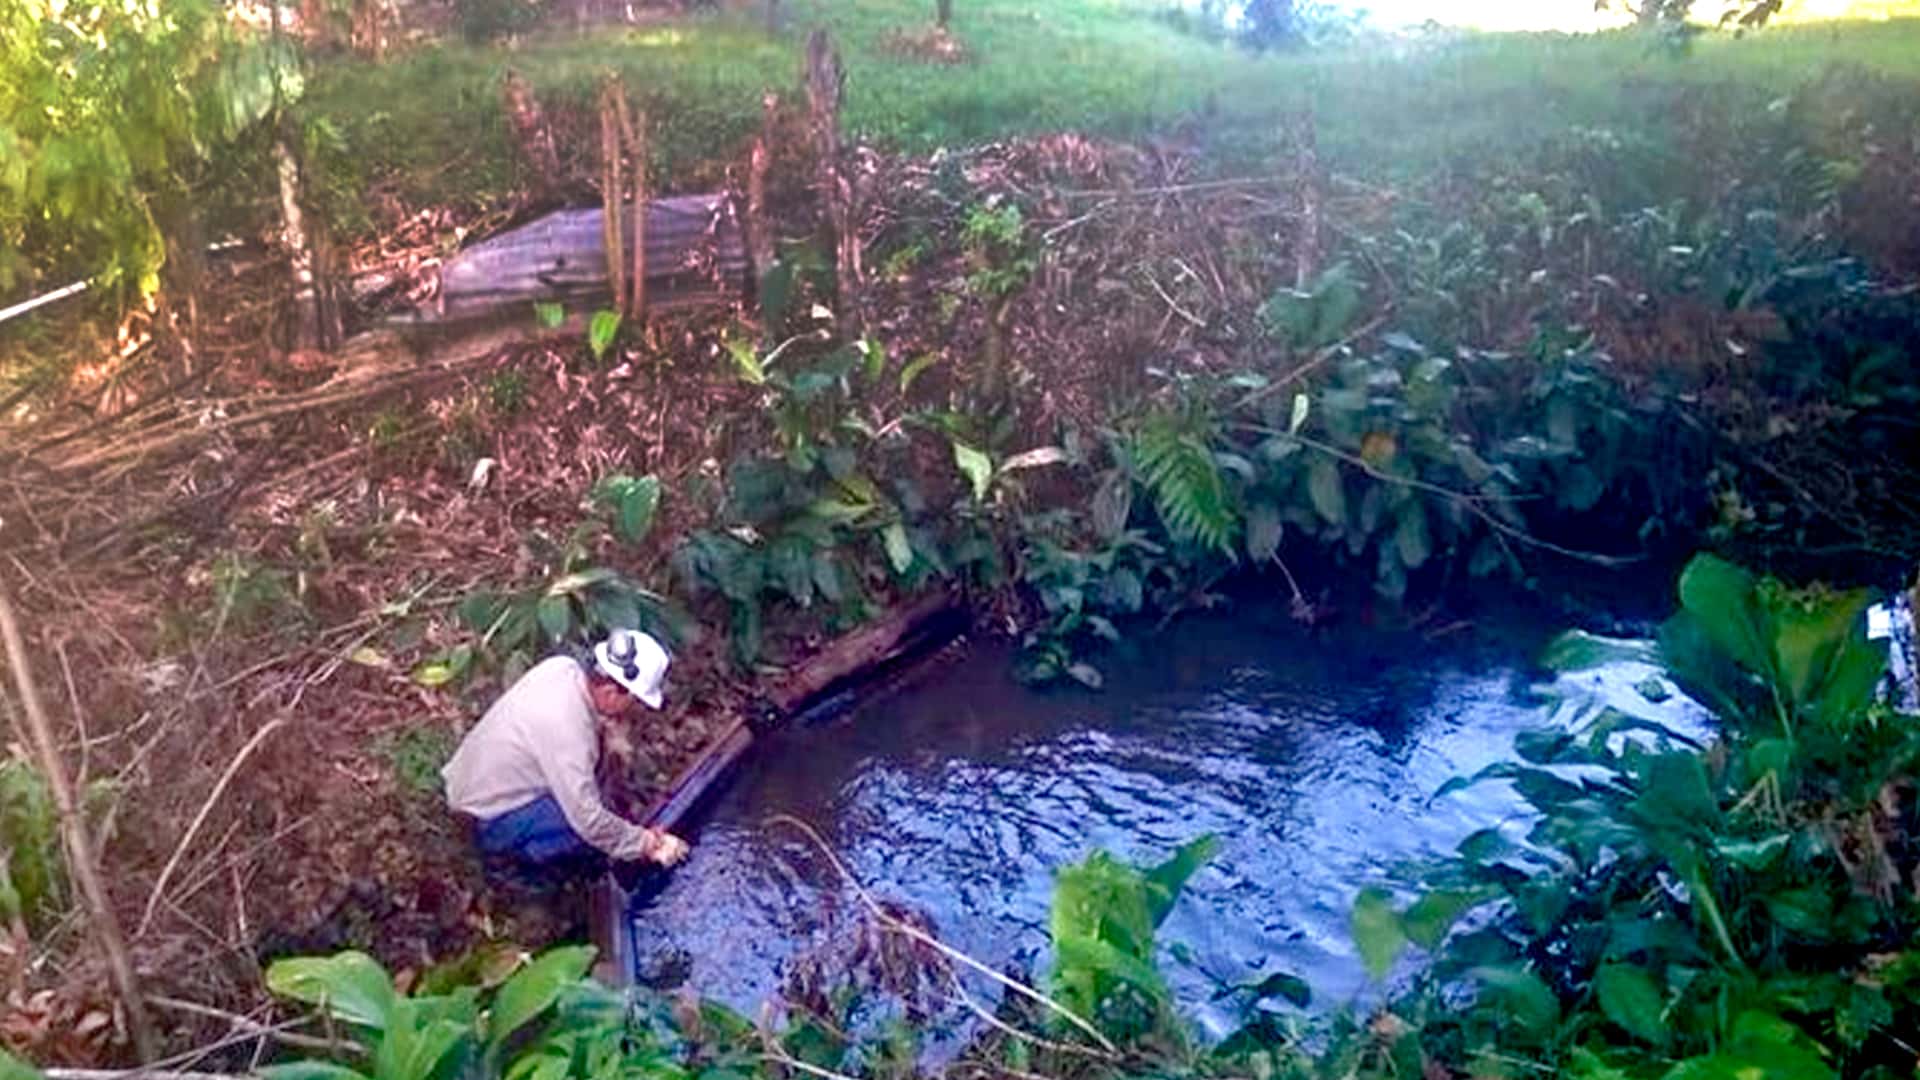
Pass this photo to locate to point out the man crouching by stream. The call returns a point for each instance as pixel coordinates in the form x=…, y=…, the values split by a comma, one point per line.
x=525, y=773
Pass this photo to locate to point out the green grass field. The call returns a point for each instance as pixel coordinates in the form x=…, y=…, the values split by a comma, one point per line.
x=430, y=122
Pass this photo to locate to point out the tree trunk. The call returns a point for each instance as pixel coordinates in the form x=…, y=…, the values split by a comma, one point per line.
x=942, y=13
x=826, y=83
x=293, y=234
x=533, y=136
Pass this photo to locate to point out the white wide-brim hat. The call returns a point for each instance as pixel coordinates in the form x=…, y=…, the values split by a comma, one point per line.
x=637, y=662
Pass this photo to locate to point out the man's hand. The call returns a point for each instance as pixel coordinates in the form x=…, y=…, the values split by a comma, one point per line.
x=665, y=848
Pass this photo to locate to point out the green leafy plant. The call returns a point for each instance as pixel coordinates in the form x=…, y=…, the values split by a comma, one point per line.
x=994, y=235
x=107, y=115
x=32, y=872
x=631, y=503
x=416, y=755
x=602, y=331
x=422, y=1036
x=1744, y=909
x=251, y=595
x=1105, y=914
x=12, y=1068
x=574, y=603
x=1179, y=467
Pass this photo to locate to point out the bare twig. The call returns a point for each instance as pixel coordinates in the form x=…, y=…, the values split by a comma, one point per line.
x=173, y=862
x=131, y=1075
x=106, y=926
x=1473, y=503
x=1172, y=303
x=255, y=1027
x=879, y=912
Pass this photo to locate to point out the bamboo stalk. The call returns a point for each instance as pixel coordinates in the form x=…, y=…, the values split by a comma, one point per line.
x=612, y=105
x=73, y=827
x=637, y=143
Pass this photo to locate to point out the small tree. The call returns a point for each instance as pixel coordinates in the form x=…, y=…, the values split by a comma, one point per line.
x=1271, y=23
x=1751, y=13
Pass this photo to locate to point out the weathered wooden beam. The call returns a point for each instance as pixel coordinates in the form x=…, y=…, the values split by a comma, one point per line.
x=695, y=256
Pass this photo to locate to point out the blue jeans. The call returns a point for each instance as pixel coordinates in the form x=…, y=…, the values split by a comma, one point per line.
x=536, y=833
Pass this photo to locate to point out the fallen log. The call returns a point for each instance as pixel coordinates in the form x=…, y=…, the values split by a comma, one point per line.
x=695, y=255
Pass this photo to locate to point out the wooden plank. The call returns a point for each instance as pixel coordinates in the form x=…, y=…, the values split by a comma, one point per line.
x=694, y=255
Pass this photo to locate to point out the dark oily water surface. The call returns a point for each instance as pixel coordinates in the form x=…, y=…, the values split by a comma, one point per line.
x=1312, y=757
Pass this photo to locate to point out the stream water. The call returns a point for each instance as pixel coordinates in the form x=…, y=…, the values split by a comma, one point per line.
x=1312, y=757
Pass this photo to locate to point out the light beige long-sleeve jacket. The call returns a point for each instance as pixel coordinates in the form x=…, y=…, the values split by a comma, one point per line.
x=541, y=738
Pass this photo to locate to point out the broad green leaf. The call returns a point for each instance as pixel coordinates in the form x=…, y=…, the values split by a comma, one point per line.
x=549, y=316
x=899, y=548
x=1086, y=675
x=1484, y=845
x=1529, y=1002
x=747, y=361
x=1631, y=999
x=1165, y=881
x=433, y=674
x=555, y=613
x=1376, y=931
x=415, y=1042
x=1763, y=1047
x=1720, y=596
x=1428, y=919
x=349, y=985
x=534, y=989
x=1327, y=490
x=977, y=466
x=638, y=502
x=1851, y=683
x=12, y=1068
x=1675, y=793
x=875, y=355
x=1809, y=631
x=601, y=330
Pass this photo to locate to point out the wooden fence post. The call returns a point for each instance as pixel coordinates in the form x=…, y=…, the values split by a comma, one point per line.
x=826, y=82
x=612, y=188
x=636, y=132
x=759, y=228
x=1307, y=255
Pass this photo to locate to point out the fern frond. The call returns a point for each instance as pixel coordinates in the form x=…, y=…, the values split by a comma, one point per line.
x=1187, y=486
